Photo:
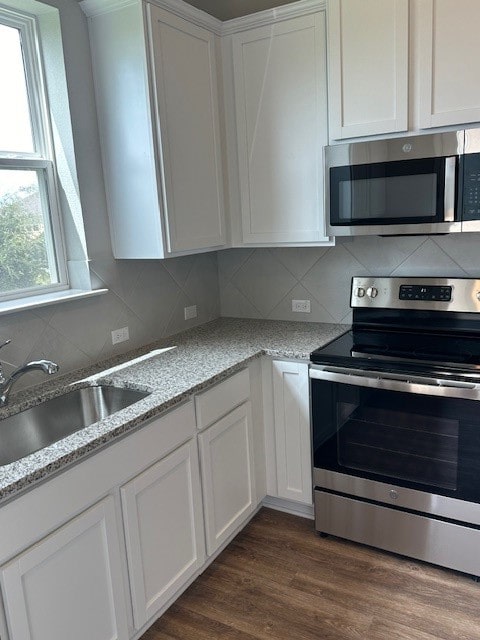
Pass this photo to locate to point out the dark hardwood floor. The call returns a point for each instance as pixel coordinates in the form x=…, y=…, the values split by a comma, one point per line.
x=278, y=580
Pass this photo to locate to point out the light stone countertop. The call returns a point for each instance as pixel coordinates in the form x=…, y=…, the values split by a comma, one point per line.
x=192, y=361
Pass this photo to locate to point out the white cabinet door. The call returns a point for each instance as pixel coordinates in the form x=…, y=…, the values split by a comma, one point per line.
x=292, y=431
x=228, y=478
x=447, y=54
x=164, y=530
x=280, y=96
x=368, y=67
x=183, y=57
x=69, y=585
x=157, y=104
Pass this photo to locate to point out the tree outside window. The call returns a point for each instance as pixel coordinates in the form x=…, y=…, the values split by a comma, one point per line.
x=23, y=261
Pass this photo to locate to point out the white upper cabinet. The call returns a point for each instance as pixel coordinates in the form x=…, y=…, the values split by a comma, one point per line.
x=396, y=65
x=161, y=116
x=447, y=50
x=156, y=88
x=187, y=108
x=368, y=67
x=281, y=120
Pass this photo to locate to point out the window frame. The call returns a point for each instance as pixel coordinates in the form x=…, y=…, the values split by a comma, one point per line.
x=42, y=159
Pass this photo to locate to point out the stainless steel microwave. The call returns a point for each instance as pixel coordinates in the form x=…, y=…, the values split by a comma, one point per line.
x=410, y=185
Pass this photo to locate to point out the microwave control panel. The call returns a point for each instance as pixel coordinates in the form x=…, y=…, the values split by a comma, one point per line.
x=471, y=186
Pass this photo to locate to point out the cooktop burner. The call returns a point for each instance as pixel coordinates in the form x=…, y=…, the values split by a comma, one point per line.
x=424, y=335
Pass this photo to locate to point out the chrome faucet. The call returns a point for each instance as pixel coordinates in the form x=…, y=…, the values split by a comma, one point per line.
x=6, y=385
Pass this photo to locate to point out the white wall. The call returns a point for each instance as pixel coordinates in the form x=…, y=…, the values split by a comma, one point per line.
x=148, y=296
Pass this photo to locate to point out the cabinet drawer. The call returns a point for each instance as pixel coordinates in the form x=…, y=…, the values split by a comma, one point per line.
x=217, y=402
x=447, y=544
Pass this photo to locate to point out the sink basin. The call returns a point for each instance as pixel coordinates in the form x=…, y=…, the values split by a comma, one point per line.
x=52, y=420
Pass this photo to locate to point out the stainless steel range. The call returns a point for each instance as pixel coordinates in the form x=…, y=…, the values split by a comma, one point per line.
x=396, y=421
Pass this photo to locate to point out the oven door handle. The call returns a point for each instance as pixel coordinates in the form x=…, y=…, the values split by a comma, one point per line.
x=392, y=382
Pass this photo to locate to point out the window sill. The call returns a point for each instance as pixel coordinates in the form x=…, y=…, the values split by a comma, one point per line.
x=33, y=302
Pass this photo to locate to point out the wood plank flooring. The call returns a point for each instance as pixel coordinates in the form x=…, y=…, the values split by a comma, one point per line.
x=278, y=580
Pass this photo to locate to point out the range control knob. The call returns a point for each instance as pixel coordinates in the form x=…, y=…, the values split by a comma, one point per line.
x=372, y=292
x=360, y=292
x=478, y=295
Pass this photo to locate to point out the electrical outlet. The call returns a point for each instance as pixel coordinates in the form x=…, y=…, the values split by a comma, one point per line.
x=190, y=312
x=120, y=335
x=302, y=306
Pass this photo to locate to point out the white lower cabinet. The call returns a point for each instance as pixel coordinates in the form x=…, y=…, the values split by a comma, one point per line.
x=292, y=431
x=69, y=585
x=173, y=492
x=162, y=509
x=228, y=478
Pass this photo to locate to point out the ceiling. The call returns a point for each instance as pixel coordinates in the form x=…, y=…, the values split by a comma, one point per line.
x=227, y=9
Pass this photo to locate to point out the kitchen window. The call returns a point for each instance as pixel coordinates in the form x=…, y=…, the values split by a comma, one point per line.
x=43, y=252
x=32, y=256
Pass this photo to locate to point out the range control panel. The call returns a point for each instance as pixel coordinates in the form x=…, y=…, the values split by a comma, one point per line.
x=425, y=292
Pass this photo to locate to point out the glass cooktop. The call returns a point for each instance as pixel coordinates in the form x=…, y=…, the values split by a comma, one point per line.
x=394, y=350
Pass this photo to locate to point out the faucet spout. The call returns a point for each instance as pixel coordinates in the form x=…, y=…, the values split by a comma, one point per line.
x=46, y=366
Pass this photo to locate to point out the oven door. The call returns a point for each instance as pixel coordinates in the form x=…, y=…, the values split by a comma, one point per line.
x=422, y=434
x=394, y=197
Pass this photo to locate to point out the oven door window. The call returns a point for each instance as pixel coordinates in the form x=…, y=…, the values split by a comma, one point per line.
x=424, y=442
x=401, y=192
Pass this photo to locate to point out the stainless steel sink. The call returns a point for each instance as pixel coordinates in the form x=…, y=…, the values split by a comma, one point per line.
x=52, y=420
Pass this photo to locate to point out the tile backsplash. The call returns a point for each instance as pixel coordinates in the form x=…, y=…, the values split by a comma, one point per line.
x=148, y=296
x=261, y=283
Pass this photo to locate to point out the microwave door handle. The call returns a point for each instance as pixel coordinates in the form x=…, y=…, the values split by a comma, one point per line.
x=449, y=194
